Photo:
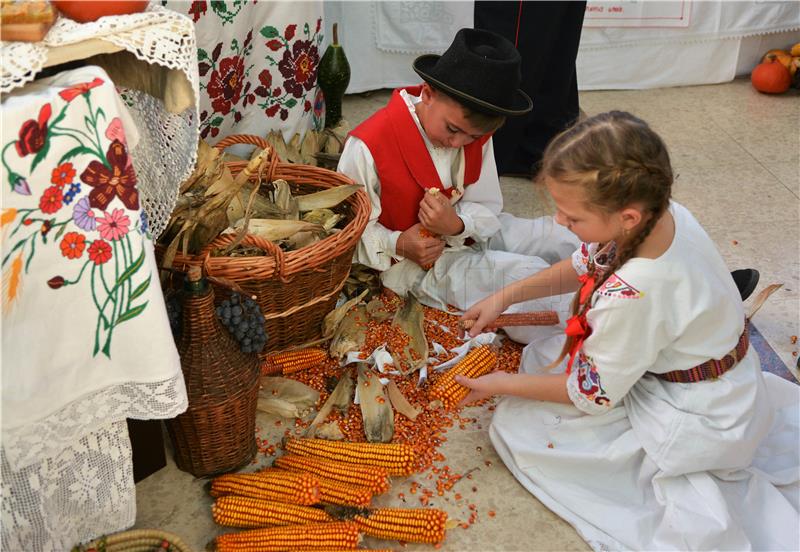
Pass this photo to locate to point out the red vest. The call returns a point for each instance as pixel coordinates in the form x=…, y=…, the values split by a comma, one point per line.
x=404, y=165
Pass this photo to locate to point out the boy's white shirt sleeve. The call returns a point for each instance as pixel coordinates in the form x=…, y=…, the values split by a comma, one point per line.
x=481, y=203
x=378, y=244
x=628, y=334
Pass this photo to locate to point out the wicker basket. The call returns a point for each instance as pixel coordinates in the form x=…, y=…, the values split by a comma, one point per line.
x=137, y=540
x=295, y=289
x=216, y=434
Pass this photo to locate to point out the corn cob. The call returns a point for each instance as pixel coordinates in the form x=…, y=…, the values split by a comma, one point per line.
x=478, y=362
x=404, y=524
x=425, y=233
x=270, y=484
x=372, y=477
x=337, y=535
x=248, y=513
x=334, y=492
x=536, y=318
x=397, y=458
x=290, y=362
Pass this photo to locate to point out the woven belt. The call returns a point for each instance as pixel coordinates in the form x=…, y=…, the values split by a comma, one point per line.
x=712, y=369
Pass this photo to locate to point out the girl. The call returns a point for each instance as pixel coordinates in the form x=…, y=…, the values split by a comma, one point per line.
x=645, y=441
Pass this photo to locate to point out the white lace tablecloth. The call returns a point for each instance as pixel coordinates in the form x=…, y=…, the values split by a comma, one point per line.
x=85, y=338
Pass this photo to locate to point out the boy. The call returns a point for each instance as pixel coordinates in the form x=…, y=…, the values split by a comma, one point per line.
x=437, y=136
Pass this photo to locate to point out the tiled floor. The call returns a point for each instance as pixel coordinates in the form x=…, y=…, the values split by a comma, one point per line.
x=737, y=157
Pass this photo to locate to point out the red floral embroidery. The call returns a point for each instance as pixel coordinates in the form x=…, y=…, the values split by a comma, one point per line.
x=225, y=85
x=71, y=93
x=72, y=245
x=299, y=67
x=198, y=9
x=63, y=175
x=100, y=252
x=118, y=181
x=32, y=134
x=51, y=200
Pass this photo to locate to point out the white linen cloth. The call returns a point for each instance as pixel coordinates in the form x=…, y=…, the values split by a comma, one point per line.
x=506, y=248
x=639, y=463
x=85, y=338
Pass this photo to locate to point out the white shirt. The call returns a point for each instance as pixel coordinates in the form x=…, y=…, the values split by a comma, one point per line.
x=478, y=205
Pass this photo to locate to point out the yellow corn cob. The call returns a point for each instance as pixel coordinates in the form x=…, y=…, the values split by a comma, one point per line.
x=479, y=361
x=293, y=361
x=270, y=484
x=337, y=535
x=248, y=513
x=345, y=494
x=404, y=524
x=535, y=318
x=374, y=478
x=397, y=458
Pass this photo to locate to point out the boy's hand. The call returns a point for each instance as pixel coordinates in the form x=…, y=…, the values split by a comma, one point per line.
x=423, y=251
x=438, y=215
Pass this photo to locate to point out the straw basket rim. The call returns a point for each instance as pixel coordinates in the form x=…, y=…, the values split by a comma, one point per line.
x=135, y=540
x=275, y=262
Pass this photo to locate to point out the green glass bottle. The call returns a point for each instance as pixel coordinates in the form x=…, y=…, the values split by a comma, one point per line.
x=333, y=77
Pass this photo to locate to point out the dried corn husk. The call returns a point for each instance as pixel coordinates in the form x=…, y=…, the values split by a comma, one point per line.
x=326, y=199
x=410, y=318
x=399, y=401
x=276, y=229
x=340, y=398
x=327, y=218
x=376, y=410
x=330, y=431
x=332, y=320
x=350, y=333
x=309, y=147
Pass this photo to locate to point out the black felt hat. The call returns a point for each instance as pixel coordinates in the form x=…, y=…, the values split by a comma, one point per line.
x=481, y=69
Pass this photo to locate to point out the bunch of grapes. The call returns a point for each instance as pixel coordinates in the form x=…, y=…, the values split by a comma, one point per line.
x=243, y=318
x=174, y=304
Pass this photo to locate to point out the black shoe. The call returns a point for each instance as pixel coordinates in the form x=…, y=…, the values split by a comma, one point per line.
x=746, y=281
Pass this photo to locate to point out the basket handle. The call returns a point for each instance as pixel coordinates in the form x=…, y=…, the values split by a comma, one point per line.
x=250, y=139
x=225, y=240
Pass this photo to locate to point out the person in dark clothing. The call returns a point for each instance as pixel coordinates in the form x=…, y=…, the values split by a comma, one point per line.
x=546, y=35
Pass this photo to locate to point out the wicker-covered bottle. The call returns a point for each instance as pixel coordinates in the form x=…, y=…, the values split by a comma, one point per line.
x=217, y=432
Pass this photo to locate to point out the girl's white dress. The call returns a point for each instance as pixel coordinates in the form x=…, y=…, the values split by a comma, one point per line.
x=641, y=463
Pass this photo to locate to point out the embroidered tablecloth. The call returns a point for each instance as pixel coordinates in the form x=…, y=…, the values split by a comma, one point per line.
x=85, y=337
x=258, y=66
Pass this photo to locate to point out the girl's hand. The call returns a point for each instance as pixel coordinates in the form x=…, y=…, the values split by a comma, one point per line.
x=439, y=216
x=483, y=387
x=483, y=313
x=423, y=251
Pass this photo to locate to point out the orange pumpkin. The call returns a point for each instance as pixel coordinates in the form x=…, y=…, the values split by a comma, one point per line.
x=784, y=57
x=771, y=78
x=84, y=12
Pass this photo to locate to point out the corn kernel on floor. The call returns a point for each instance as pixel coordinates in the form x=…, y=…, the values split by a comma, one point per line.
x=737, y=157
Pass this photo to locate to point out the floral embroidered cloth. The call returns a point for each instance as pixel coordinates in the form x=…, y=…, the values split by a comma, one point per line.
x=85, y=339
x=258, y=66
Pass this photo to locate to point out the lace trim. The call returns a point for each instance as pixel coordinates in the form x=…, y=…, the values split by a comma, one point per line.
x=28, y=445
x=84, y=491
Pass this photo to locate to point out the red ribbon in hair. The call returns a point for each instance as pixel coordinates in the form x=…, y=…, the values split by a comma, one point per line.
x=577, y=326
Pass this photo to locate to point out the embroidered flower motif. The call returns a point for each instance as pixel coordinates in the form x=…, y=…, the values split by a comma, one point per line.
x=225, y=85
x=99, y=252
x=299, y=67
x=62, y=175
x=83, y=216
x=265, y=78
x=198, y=9
x=56, y=282
x=72, y=245
x=116, y=131
x=589, y=381
x=74, y=189
x=615, y=286
x=32, y=134
x=117, y=181
x=21, y=186
x=73, y=92
x=113, y=226
x=144, y=225
x=50, y=202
